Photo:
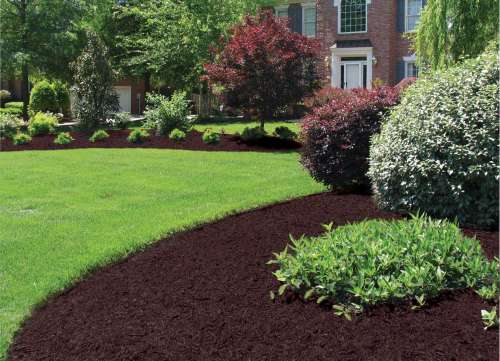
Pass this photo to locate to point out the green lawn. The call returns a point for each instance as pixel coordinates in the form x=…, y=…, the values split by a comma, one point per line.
x=232, y=128
x=62, y=213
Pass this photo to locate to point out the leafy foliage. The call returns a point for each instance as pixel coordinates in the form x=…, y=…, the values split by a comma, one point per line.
x=63, y=138
x=44, y=98
x=336, y=136
x=16, y=105
x=9, y=125
x=490, y=318
x=21, y=138
x=380, y=261
x=264, y=66
x=451, y=30
x=42, y=124
x=99, y=135
x=12, y=111
x=438, y=150
x=165, y=115
x=177, y=135
x=285, y=133
x=252, y=134
x=138, y=136
x=119, y=120
x=323, y=96
x=210, y=137
x=95, y=97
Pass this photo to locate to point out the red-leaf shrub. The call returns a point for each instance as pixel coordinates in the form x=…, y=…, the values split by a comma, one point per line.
x=337, y=135
x=323, y=96
x=264, y=66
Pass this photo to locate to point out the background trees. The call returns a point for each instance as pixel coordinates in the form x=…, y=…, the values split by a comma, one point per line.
x=451, y=29
x=264, y=66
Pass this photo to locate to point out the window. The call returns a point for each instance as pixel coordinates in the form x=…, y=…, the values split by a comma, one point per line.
x=411, y=69
x=413, y=10
x=281, y=11
x=309, y=20
x=353, y=17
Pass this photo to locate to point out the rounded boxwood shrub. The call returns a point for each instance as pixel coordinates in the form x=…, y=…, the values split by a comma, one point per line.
x=336, y=136
x=21, y=138
x=138, y=136
x=63, y=138
x=42, y=124
x=43, y=98
x=177, y=135
x=380, y=261
x=99, y=135
x=438, y=150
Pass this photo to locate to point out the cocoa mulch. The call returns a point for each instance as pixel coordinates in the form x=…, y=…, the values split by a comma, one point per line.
x=204, y=295
x=118, y=139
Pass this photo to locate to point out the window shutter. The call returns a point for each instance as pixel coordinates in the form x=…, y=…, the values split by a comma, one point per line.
x=400, y=71
x=295, y=15
x=401, y=16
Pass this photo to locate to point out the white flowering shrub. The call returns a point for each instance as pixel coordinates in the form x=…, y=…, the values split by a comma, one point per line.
x=438, y=150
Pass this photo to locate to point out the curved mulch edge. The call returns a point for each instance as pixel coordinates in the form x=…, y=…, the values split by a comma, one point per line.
x=118, y=139
x=203, y=294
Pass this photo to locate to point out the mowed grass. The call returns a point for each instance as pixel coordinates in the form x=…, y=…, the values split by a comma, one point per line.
x=237, y=127
x=63, y=213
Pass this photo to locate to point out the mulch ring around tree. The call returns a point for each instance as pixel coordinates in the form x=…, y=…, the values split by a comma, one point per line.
x=204, y=295
x=118, y=139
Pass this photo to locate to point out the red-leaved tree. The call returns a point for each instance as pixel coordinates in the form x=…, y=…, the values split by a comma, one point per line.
x=264, y=66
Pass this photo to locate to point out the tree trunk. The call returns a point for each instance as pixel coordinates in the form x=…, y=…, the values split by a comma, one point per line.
x=25, y=68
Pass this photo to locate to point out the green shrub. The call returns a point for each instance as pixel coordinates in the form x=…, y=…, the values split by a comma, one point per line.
x=138, y=136
x=21, y=138
x=177, y=135
x=9, y=125
x=119, y=121
x=285, y=133
x=99, y=135
x=165, y=115
x=42, y=123
x=13, y=111
x=63, y=138
x=378, y=261
x=17, y=105
x=438, y=150
x=252, y=134
x=62, y=96
x=210, y=137
x=43, y=98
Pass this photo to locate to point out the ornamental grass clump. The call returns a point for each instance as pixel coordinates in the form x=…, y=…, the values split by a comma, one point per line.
x=138, y=136
x=99, y=135
x=379, y=261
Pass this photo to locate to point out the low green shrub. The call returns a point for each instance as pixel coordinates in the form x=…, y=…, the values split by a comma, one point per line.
x=177, y=135
x=99, y=135
x=252, y=134
x=43, y=98
x=21, y=138
x=138, y=136
x=210, y=137
x=165, y=115
x=119, y=120
x=63, y=138
x=9, y=125
x=379, y=261
x=14, y=111
x=42, y=123
x=285, y=133
x=438, y=151
x=17, y=105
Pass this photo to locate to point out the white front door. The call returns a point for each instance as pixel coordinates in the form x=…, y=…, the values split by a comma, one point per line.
x=353, y=75
x=124, y=97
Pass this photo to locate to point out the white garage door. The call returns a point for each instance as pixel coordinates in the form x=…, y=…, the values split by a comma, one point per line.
x=125, y=98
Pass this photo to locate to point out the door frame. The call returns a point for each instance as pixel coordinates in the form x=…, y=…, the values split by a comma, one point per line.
x=339, y=53
x=360, y=64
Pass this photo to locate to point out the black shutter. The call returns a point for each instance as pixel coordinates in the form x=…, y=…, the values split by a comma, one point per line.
x=401, y=16
x=295, y=15
x=400, y=71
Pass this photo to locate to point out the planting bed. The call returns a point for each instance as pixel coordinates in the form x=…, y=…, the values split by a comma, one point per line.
x=118, y=139
x=204, y=295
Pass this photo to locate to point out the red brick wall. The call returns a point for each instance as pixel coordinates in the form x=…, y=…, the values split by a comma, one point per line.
x=387, y=42
x=138, y=88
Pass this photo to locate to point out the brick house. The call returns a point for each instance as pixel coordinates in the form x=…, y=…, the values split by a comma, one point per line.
x=361, y=40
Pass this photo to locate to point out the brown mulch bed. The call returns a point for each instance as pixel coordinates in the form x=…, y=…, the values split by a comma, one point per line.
x=118, y=139
x=204, y=295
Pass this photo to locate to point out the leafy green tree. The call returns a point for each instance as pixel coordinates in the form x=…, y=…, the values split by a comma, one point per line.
x=42, y=36
x=453, y=29
x=95, y=97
